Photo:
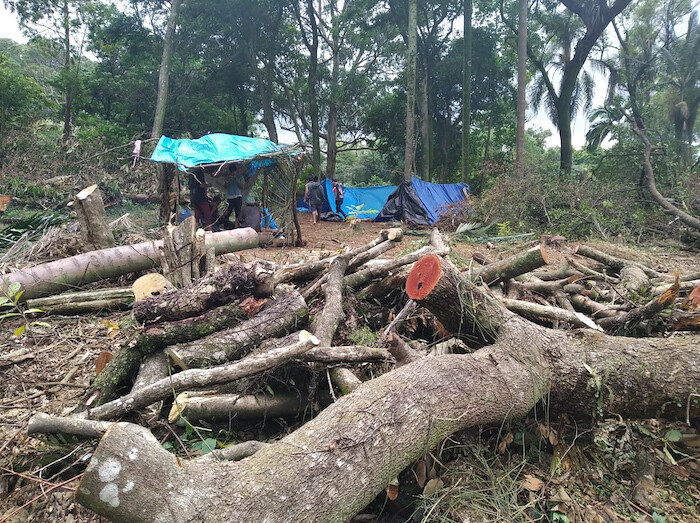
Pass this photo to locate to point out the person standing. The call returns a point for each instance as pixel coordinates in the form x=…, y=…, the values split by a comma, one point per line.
x=313, y=196
x=234, y=196
x=198, y=197
x=339, y=193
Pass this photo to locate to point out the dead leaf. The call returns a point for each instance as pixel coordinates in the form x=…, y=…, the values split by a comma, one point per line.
x=112, y=328
x=532, y=483
x=432, y=486
x=102, y=361
x=507, y=440
x=421, y=471
x=694, y=297
x=392, y=491
x=560, y=496
x=251, y=306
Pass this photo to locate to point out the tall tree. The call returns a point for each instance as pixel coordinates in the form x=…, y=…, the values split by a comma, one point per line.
x=522, y=85
x=57, y=20
x=467, y=91
x=411, y=55
x=575, y=49
x=165, y=178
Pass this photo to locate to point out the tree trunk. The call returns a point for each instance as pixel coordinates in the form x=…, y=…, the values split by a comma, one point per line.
x=69, y=273
x=68, y=106
x=424, y=113
x=313, y=81
x=467, y=92
x=355, y=447
x=94, y=229
x=164, y=180
x=522, y=85
x=411, y=54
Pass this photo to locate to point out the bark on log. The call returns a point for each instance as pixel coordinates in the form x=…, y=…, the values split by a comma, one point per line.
x=401, y=351
x=41, y=423
x=78, y=301
x=207, y=293
x=233, y=452
x=67, y=274
x=154, y=338
x=634, y=279
x=94, y=229
x=527, y=309
x=194, y=378
x=152, y=369
x=285, y=313
x=513, y=266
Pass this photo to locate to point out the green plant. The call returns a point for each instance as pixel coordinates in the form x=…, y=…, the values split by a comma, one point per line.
x=10, y=302
x=504, y=229
x=363, y=336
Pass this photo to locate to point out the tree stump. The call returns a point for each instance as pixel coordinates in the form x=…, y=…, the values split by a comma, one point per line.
x=94, y=229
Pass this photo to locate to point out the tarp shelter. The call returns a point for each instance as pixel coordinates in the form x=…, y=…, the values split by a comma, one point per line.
x=359, y=202
x=214, y=151
x=421, y=203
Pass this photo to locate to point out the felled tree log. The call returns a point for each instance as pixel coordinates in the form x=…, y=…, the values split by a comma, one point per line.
x=85, y=301
x=284, y=313
x=194, y=378
x=233, y=452
x=68, y=273
x=153, y=368
x=94, y=229
x=41, y=423
x=182, y=253
x=513, y=266
x=634, y=279
x=527, y=309
x=153, y=338
x=613, y=261
x=207, y=293
x=355, y=447
x=235, y=407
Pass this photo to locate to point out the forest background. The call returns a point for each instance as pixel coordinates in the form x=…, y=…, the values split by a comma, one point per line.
x=334, y=76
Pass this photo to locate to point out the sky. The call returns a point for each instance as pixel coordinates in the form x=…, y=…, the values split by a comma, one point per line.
x=9, y=28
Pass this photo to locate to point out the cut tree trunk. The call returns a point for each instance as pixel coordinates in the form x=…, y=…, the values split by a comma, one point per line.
x=207, y=293
x=94, y=229
x=67, y=274
x=333, y=466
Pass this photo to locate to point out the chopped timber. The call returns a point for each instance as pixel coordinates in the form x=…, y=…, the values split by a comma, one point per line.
x=634, y=279
x=234, y=452
x=41, y=423
x=94, y=229
x=285, y=313
x=69, y=273
x=179, y=255
x=235, y=407
x=153, y=338
x=401, y=351
x=612, y=261
x=533, y=310
x=213, y=290
x=153, y=368
x=84, y=301
x=513, y=266
x=188, y=379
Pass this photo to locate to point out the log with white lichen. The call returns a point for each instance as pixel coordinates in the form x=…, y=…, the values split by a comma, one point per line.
x=354, y=448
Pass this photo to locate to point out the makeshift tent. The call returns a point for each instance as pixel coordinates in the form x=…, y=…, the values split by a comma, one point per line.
x=214, y=152
x=421, y=203
x=359, y=202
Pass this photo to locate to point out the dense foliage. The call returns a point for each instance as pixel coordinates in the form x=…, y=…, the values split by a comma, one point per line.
x=73, y=99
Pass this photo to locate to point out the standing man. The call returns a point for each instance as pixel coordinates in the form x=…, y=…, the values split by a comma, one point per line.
x=234, y=196
x=313, y=196
x=339, y=193
x=198, y=197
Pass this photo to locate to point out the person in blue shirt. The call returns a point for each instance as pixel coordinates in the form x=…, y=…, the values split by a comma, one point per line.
x=234, y=196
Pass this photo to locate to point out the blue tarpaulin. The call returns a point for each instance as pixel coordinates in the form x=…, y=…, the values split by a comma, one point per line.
x=360, y=202
x=436, y=196
x=214, y=148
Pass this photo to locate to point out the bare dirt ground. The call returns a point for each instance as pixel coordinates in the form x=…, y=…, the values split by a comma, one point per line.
x=62, y=363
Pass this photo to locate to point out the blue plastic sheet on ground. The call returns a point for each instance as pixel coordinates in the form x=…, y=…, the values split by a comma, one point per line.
x=268, y=221
x=436, y=196
x=360, y=202
x=214, y=148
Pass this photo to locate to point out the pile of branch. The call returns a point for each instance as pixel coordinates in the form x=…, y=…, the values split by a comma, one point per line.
x=204, y=344
x=591, y=289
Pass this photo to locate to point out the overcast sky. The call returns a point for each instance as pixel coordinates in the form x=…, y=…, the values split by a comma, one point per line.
x=9, y=28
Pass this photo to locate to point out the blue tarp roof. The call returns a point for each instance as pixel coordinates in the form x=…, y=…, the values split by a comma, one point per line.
x=214, y=148
x=436, y=196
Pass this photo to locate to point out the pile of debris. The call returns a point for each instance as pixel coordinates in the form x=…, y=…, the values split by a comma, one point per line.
x=209, y=333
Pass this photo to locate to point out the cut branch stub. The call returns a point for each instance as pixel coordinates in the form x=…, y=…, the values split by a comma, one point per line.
x=423, y=278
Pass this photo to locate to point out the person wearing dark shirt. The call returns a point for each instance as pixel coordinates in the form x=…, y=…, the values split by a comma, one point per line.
x=234, y=196
x=313, y=196
x=339, y=193
x=250, y=214
x=198, y=197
